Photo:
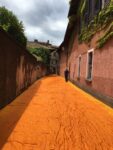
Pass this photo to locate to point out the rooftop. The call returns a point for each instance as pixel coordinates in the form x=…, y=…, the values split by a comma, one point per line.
x=38, y=44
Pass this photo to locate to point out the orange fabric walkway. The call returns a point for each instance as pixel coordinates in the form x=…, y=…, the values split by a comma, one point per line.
x=54, y=115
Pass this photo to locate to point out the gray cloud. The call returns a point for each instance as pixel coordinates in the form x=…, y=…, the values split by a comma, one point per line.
x=43, y=19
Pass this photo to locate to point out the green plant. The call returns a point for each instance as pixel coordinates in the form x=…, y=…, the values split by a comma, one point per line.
x=82, y=7
x=10, y=23
x=43, y=53
x=108, y=34
x=100, y=22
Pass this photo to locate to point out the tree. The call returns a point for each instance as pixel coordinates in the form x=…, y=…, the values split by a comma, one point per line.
x=43, y=53
x=10, y=23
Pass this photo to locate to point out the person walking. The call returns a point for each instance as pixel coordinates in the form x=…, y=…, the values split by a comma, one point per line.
x=66, y=74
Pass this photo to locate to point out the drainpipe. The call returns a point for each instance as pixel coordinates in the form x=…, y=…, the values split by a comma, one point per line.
x=67, y=58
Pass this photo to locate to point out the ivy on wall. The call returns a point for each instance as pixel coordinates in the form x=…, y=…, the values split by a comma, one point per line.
x=72, y=20
x=103, y=20
x=82, y=7
x=108, y=34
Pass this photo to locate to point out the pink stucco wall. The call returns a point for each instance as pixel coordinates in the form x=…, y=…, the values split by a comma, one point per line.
x=102, y=81
x=62, y=62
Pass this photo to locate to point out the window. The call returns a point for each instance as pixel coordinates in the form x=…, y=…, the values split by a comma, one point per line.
x=98, y=5
x=86, y=13
x=79, y=66
x=89, y=64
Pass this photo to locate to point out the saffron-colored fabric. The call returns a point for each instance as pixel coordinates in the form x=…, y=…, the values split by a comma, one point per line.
x=55, y=115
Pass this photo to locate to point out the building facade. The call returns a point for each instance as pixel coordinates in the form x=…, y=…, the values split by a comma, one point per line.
x=54, y=62
x=87, y=49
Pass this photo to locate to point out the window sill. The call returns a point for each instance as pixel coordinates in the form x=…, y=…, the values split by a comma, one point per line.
x=88, y=80
x=78, y=78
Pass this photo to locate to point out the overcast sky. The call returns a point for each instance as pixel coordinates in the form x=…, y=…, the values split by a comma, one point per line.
x=43, y=19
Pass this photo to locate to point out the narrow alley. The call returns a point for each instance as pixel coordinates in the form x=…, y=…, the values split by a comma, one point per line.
x=55, y=115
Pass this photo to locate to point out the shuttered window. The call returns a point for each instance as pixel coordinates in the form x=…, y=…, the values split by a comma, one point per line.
x=89, y=64
x=105, y=3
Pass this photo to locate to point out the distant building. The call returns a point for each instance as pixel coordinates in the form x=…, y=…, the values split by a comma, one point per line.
x=54, y=57
x=54, y=62
x=35, y=41
x=39, y=44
